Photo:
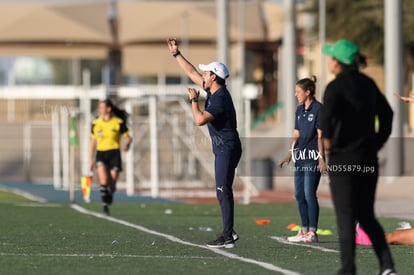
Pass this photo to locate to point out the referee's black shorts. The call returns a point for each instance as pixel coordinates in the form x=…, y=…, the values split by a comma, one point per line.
x=111, y=159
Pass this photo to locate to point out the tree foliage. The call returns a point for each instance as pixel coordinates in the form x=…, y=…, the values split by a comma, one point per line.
x=362, y=21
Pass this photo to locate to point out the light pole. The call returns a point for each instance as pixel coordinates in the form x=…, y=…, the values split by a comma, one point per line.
x=394, y=84
x=322, y=38
x=222, y=8
x=114, y=75
x=289, y=63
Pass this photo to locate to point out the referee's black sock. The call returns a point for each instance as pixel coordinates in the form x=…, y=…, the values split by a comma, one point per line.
x=104, y=194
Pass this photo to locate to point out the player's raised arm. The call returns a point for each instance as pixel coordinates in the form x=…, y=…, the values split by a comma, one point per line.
x=405, y=98
x=185, y=65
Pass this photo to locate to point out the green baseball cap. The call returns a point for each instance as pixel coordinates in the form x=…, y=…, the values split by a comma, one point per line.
x=342, y=50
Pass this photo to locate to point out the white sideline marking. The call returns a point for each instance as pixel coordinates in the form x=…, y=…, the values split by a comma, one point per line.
x=23, y=194
x=284, y=241
x=37, y=205
x=104, y=255
x=177, y=240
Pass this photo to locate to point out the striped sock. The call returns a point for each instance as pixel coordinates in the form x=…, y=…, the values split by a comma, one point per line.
x=104, y=194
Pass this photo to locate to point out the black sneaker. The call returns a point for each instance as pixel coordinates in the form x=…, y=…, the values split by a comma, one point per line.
x=235, y=236
x=106, y=209
x=222, y=243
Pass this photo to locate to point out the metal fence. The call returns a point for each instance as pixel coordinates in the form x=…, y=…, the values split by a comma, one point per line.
x=169, y=152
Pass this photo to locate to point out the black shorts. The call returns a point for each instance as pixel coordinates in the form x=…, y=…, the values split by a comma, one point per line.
x=111, y=159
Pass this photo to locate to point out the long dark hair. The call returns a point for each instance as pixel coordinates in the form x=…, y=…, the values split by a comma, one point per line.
x=360, y=62
x=308, y=84
x=122, y=114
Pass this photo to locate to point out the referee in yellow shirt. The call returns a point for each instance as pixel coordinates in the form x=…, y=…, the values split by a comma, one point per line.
x=106, y=133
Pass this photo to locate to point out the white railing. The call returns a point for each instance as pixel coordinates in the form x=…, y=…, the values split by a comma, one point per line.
x=150, y=95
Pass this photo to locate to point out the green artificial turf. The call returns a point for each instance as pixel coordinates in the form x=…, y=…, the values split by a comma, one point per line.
x=43, y=238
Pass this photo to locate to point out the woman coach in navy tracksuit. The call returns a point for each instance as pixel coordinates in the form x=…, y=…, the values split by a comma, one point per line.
x=220, y=117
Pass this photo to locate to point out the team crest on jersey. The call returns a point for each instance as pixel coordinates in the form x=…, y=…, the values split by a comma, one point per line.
x=310, y=117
